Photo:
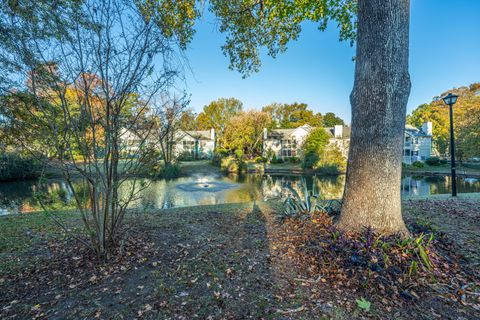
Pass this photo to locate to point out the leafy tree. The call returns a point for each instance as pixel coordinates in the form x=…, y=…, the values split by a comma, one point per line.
x=245, y=132
x=314, y=147
x=188, y=120
x=379, y=97
x=167, y=122
x=99, y=88
x=217, y=114
x=466, y=114
x=330, y=120
x=293, y=115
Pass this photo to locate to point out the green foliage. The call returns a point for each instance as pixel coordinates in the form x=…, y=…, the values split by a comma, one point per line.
x=251, y=25
x=294, y=160
x=418, y=164
x=332, y=161
x=245, y=132
x=417, y=248
x=466, y=121
x=364, y=304
x=188, y=121
x=329, y=170
x=303, y=206
x=330, y=120
x=320, y=155
x=217, y=115
x=314, y=147
x=310, y=160
x=220, y=153
x=433, y=161
x=259, y=160
x=292, y=115
x=170, y=171
x=15, y=167
x=233, y=164
x=175, y=19
x=276, y=160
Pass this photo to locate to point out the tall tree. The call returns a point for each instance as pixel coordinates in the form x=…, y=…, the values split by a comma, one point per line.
x=378, y=99
x=217, y=114
x=245, y=132
x=188, y=120
x=466, y=119
x=84, y=100
x=168, y=115
x=293, y=115
x=330, y=120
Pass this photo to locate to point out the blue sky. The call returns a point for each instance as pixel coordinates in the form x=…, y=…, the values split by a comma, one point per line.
x=318, y=69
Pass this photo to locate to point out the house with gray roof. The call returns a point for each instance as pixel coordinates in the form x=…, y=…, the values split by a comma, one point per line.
x=195, y=144
x=417, y=143
x=287, y=143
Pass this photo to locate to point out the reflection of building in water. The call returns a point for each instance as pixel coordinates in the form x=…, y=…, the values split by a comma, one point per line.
x=416, y=187
x=274, y=187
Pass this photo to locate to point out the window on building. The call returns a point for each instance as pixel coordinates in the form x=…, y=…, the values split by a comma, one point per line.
x=189, y=146
x=289, y=148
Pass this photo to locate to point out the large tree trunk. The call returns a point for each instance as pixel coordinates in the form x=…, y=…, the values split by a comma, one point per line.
x=379, y=99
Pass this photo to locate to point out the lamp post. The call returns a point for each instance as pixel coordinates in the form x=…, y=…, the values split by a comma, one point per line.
x=450, y=100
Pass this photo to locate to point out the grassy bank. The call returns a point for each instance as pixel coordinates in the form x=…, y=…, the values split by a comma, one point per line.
x=222, y=261
x=466, y=170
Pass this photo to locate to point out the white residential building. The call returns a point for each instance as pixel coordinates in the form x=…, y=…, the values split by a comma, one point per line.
x=187, y=144
x=199, y=144
x=417, y=145
x=286, y=143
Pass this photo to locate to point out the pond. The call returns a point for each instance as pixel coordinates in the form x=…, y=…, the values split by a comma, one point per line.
x=203, y=189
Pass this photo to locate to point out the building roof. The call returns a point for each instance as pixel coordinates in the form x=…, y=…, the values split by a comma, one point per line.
x=199, y=134
x=413, y=131
x=286, y=133
x=345, y=132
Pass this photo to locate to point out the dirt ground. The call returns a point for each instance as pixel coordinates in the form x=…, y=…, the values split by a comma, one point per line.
x=212, y=262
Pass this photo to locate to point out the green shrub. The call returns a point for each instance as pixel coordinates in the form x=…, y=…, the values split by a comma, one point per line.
x=294, y=160
x=17, y=167
x=310, y=160
x=259, y=159
x=186, y=156
x=170, y=171
x=303, y=205
x=329, y=169
x=239, y=154
x=276, y=160
x=433, y=161
x=418, y=164
x=233, y=164
x=443, y=161
x=220, y=153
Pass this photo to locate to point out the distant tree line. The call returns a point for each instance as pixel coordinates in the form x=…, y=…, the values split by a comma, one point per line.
x=239, y=129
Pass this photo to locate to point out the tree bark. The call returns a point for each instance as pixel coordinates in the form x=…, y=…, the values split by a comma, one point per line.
x=379, y=99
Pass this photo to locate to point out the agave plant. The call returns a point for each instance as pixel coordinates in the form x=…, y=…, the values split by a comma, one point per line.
x=302, y=206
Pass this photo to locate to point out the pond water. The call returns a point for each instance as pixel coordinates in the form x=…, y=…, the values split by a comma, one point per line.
x=203, y=189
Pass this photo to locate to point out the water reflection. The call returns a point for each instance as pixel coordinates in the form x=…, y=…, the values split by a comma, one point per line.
x=213, y=189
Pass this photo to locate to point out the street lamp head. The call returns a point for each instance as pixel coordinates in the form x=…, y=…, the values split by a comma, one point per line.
x=450, y=99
